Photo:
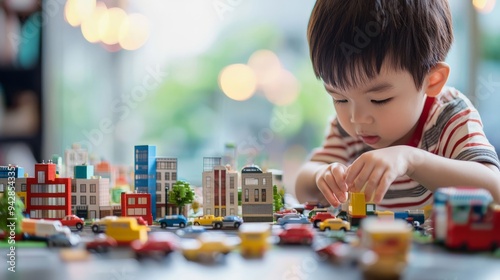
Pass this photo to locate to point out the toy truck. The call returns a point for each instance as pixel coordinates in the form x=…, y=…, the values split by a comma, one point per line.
x=207, y=220
x=43, y=228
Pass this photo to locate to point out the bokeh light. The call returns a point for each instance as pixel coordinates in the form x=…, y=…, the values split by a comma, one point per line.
x=134, y=32
x=484, y=6
x=283, y=90
x=238, y=81
x=90, y=26
x=110, y=24
x=266, y=65
x=76, y=11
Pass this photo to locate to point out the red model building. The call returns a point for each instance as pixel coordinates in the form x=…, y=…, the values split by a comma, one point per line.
x=137, y=205
x=48, y=197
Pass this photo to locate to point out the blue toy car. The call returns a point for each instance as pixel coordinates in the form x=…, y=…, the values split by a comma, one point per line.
x=173, y=220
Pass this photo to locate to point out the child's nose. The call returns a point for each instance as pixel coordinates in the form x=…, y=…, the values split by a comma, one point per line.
x=360, y=116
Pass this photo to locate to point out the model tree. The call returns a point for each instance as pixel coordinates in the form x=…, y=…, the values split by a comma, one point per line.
x=278, y=199
x=195, y=206
x=181, y=194
x=11, y=213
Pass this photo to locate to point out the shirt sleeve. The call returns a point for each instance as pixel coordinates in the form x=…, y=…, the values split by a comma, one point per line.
x=463, y=137
x=338, y=146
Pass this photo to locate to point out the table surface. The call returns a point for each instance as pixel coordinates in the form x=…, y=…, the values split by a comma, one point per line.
x=281, y=262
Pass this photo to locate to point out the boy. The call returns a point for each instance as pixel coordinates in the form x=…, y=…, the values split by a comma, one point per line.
x=399, y=134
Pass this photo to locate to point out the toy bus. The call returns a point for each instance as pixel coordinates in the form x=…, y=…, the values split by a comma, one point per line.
x=466, y=219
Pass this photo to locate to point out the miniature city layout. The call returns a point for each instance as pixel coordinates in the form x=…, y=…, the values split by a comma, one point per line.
x=92, y=210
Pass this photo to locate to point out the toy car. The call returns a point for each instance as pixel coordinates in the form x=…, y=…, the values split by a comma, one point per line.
x=63, y=240
x=173, y=220
x=292, y=219
x=99, y=225
x=206, y=220
x=141, y=221
x=158, y=243
x=254, y=239
x=73, y=221
x=207, y=248
x=334, y=224
x=320, y=217
x=296, y=234
x=190, y=231
x=101, y=243
x=228, y=221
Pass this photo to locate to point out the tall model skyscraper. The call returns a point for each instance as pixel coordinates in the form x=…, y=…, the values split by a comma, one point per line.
x=145, y=172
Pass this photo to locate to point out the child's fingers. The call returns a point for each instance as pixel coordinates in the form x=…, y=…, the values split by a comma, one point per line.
x=327, y=192
x=373, y=183
x=335, y=181
x=362, y=177
x=383, y=186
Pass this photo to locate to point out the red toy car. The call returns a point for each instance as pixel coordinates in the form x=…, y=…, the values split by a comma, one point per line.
x=101, y=243
x=162, y=243
x=297, y=234
x=73, y=221
x=344, y=254
x=320, y=217
x=141, y=221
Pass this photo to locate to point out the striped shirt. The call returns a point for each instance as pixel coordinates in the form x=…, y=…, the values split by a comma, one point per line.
x=449, y=126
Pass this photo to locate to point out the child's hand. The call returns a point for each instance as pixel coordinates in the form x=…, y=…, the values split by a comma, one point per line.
x=376, y=170
x=330, y=181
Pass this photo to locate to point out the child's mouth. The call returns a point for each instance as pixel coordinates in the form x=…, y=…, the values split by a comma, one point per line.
x=370, y=140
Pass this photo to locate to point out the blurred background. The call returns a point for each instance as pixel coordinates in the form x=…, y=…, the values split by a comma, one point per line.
x=196, y=78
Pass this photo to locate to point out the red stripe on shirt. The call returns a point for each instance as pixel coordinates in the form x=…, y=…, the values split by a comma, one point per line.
x=450, y=121
x=450, y=135
x=408, y=204
x=461, y=140
x=325, y=153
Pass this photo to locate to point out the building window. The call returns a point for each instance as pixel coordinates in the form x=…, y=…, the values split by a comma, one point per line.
x=93, y=200
x=231, y=182
x=83, y=188
x=142, y=200
x=264, y=199
x=264, y=181
x=83, y=200
x=23, y=187
x=131, y=200
x=174, y=176
x=167, y=176
x=158, y=187
x=231, y=198
x=73, y=188
x=73, y=200
x=251, y=181
x=41, y=177
x=247, y=195
x=167, y=185
x=256, y=195
x=158, y=198
x=158, y=175
x=93, y=188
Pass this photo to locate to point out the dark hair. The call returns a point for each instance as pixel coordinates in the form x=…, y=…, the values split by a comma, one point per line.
x=350, y=39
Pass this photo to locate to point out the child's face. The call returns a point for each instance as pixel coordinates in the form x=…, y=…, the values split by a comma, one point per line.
x=383, y=112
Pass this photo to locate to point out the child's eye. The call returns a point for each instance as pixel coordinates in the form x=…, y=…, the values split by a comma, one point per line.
x=380, y=102
x=336, y=101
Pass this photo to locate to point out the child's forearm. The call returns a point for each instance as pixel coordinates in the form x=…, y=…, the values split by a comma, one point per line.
x=434, y=171
x=305, y=184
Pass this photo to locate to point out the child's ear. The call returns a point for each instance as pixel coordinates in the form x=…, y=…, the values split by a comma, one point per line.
x=436, y=79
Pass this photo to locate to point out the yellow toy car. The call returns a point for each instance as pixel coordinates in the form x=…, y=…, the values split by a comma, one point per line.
x=206, y=220
x=334, y=224
x=207, y=248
